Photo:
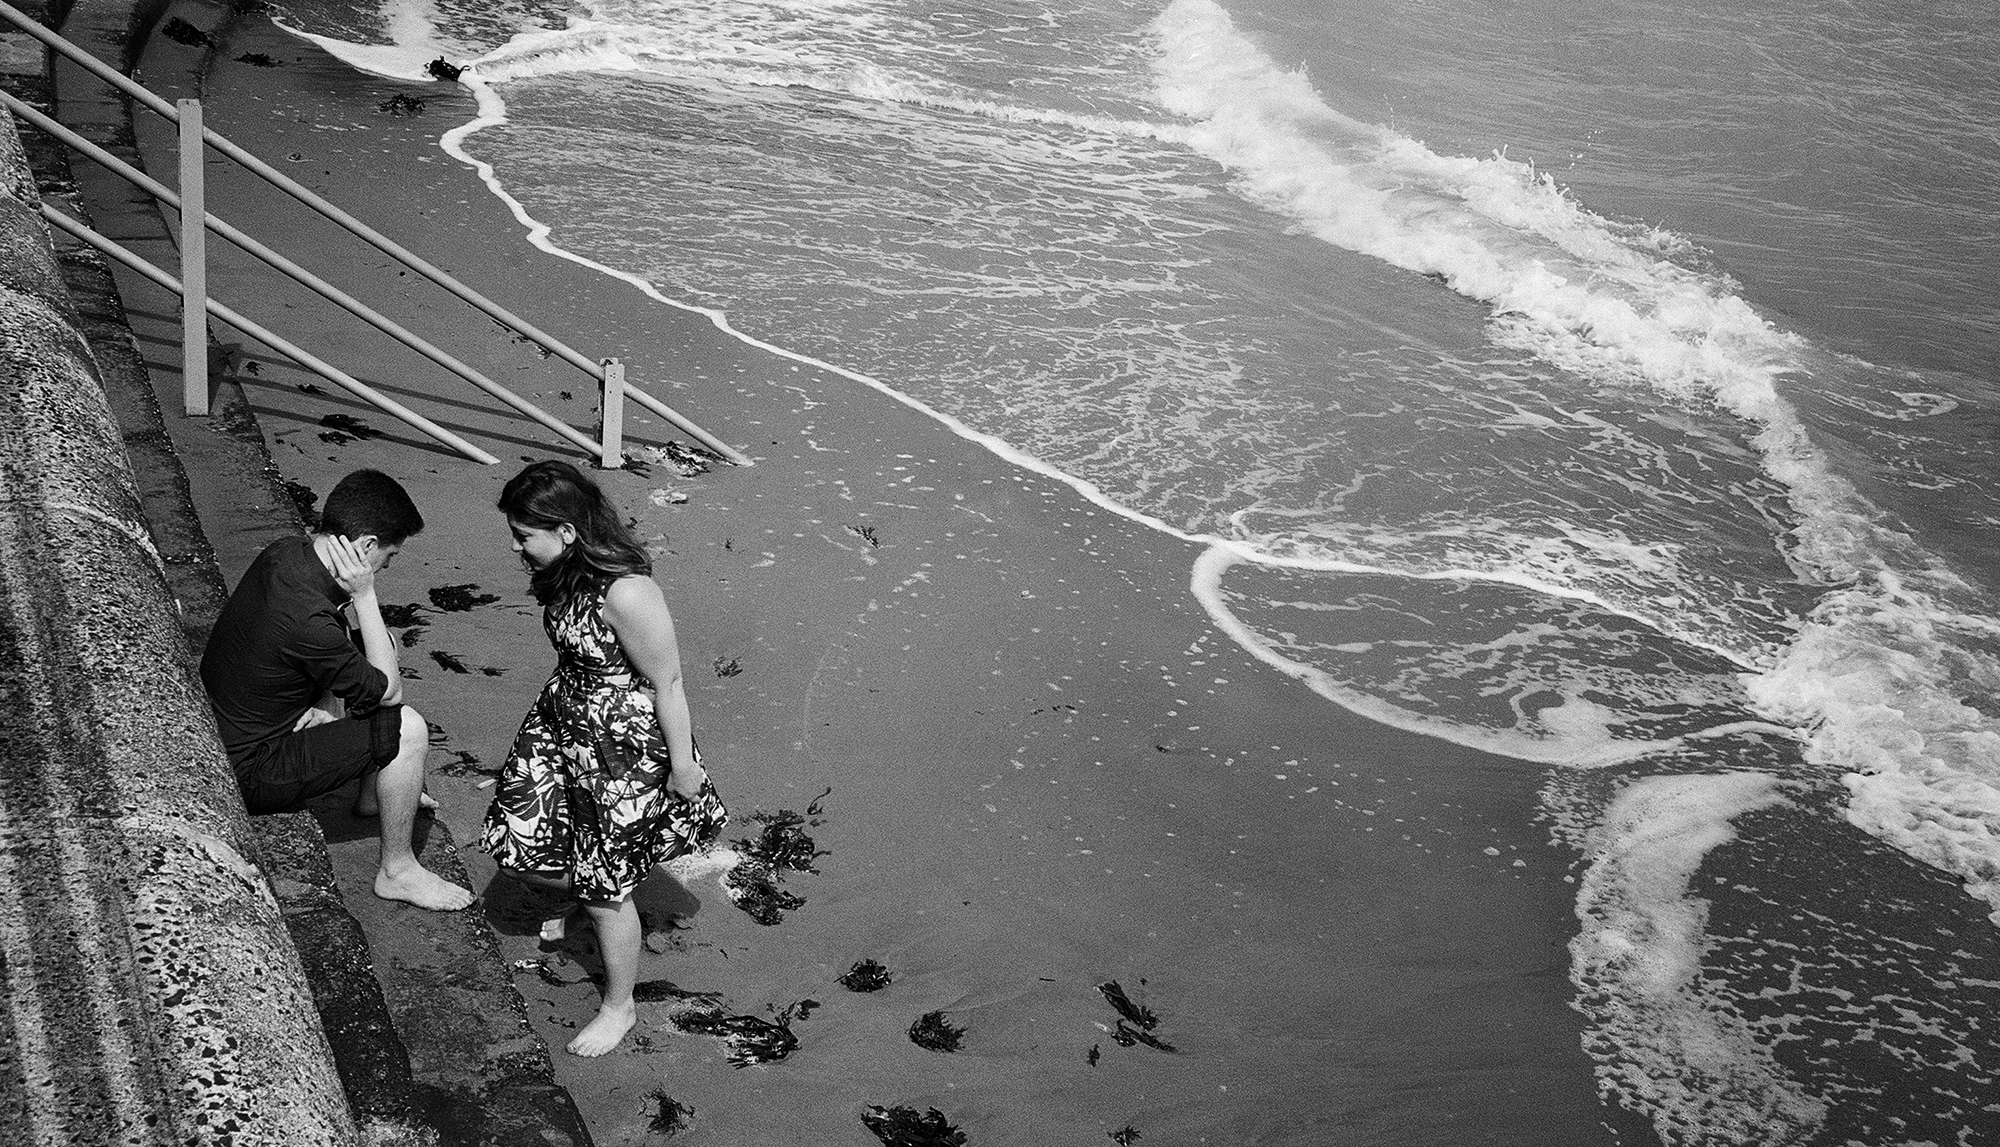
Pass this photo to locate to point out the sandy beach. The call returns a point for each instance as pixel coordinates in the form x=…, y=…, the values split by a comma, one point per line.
x=997, y=706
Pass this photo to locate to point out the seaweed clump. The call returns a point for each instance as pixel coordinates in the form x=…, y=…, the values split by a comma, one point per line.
x=935, y=1033
x=784, y=843
x=755, y=884
x=670, y=1117
x=348, y=425
x=686, y=461
x=905, y=1127
x=459, y=598
x=1135, y=1022
x=753, y=887
x=401, y=104
x=406, y=618
x=865, y=976
x=751, y=1039
x=402, y=616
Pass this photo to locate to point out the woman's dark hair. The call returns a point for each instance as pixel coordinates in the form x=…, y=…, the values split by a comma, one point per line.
x=370, y=502
x=550, y=494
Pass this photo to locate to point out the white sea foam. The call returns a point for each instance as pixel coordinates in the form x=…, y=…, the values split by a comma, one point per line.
x=399, y=61
x=1664, y=1042
x=1495, y=229
x=410, y=29
x=1879, y=671
x=714, y=862
x=715, y=57
x=1575, y=733
x=1877, y=675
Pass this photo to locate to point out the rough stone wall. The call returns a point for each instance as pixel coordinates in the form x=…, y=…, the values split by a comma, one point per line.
x=150, y=993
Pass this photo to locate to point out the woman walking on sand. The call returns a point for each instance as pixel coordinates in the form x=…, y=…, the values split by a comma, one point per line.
x=603, y=782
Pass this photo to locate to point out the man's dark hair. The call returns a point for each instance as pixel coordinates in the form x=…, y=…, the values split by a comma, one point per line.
x=370, y=502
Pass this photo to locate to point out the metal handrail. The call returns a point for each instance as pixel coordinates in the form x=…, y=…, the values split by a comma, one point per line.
x=276, y=342
x=366, y=233
x=325, y=289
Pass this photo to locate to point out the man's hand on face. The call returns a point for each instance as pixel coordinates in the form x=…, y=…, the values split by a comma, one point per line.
x=351, y=569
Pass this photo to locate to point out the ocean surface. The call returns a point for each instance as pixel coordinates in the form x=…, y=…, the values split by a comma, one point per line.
x=1609, y=388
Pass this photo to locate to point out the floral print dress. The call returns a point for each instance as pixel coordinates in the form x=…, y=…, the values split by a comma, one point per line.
x=584, y=790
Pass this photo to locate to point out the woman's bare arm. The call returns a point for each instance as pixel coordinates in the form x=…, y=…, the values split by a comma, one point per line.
x=637, y=611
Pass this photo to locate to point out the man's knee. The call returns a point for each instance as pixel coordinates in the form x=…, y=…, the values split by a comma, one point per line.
x=415, y=734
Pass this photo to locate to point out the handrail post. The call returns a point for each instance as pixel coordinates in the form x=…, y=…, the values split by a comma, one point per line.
x=611, y=417
x=194, y=263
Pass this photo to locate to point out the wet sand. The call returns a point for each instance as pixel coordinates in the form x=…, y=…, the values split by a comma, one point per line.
x=1033, y=765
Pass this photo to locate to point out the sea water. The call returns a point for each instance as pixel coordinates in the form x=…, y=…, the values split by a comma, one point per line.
x=1609, y=388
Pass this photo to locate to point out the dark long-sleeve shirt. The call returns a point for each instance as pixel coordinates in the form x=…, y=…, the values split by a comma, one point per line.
x=279, y=644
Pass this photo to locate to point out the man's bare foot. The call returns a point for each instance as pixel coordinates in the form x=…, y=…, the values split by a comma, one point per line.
x=604, y=1033
x=365, y=805
x=420, y=886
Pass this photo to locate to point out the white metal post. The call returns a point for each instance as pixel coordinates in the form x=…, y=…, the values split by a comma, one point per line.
x=194, y=263
x=611, y=417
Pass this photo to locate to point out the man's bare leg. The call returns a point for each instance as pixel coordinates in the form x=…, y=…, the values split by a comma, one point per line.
x=368, y=797
x=399, y=787
x=618, y=939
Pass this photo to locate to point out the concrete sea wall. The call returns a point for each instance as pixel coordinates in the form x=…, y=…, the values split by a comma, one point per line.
x=152, y=994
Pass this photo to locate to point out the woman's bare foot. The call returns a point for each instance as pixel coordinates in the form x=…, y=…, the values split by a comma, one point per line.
x=420, y=886
x=556, y=927
x=604, y=1033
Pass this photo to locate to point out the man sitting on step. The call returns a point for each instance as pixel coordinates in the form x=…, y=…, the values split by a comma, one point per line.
x=300, y=709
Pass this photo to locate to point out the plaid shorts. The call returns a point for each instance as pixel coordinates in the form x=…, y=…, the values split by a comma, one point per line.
x=283, y=774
